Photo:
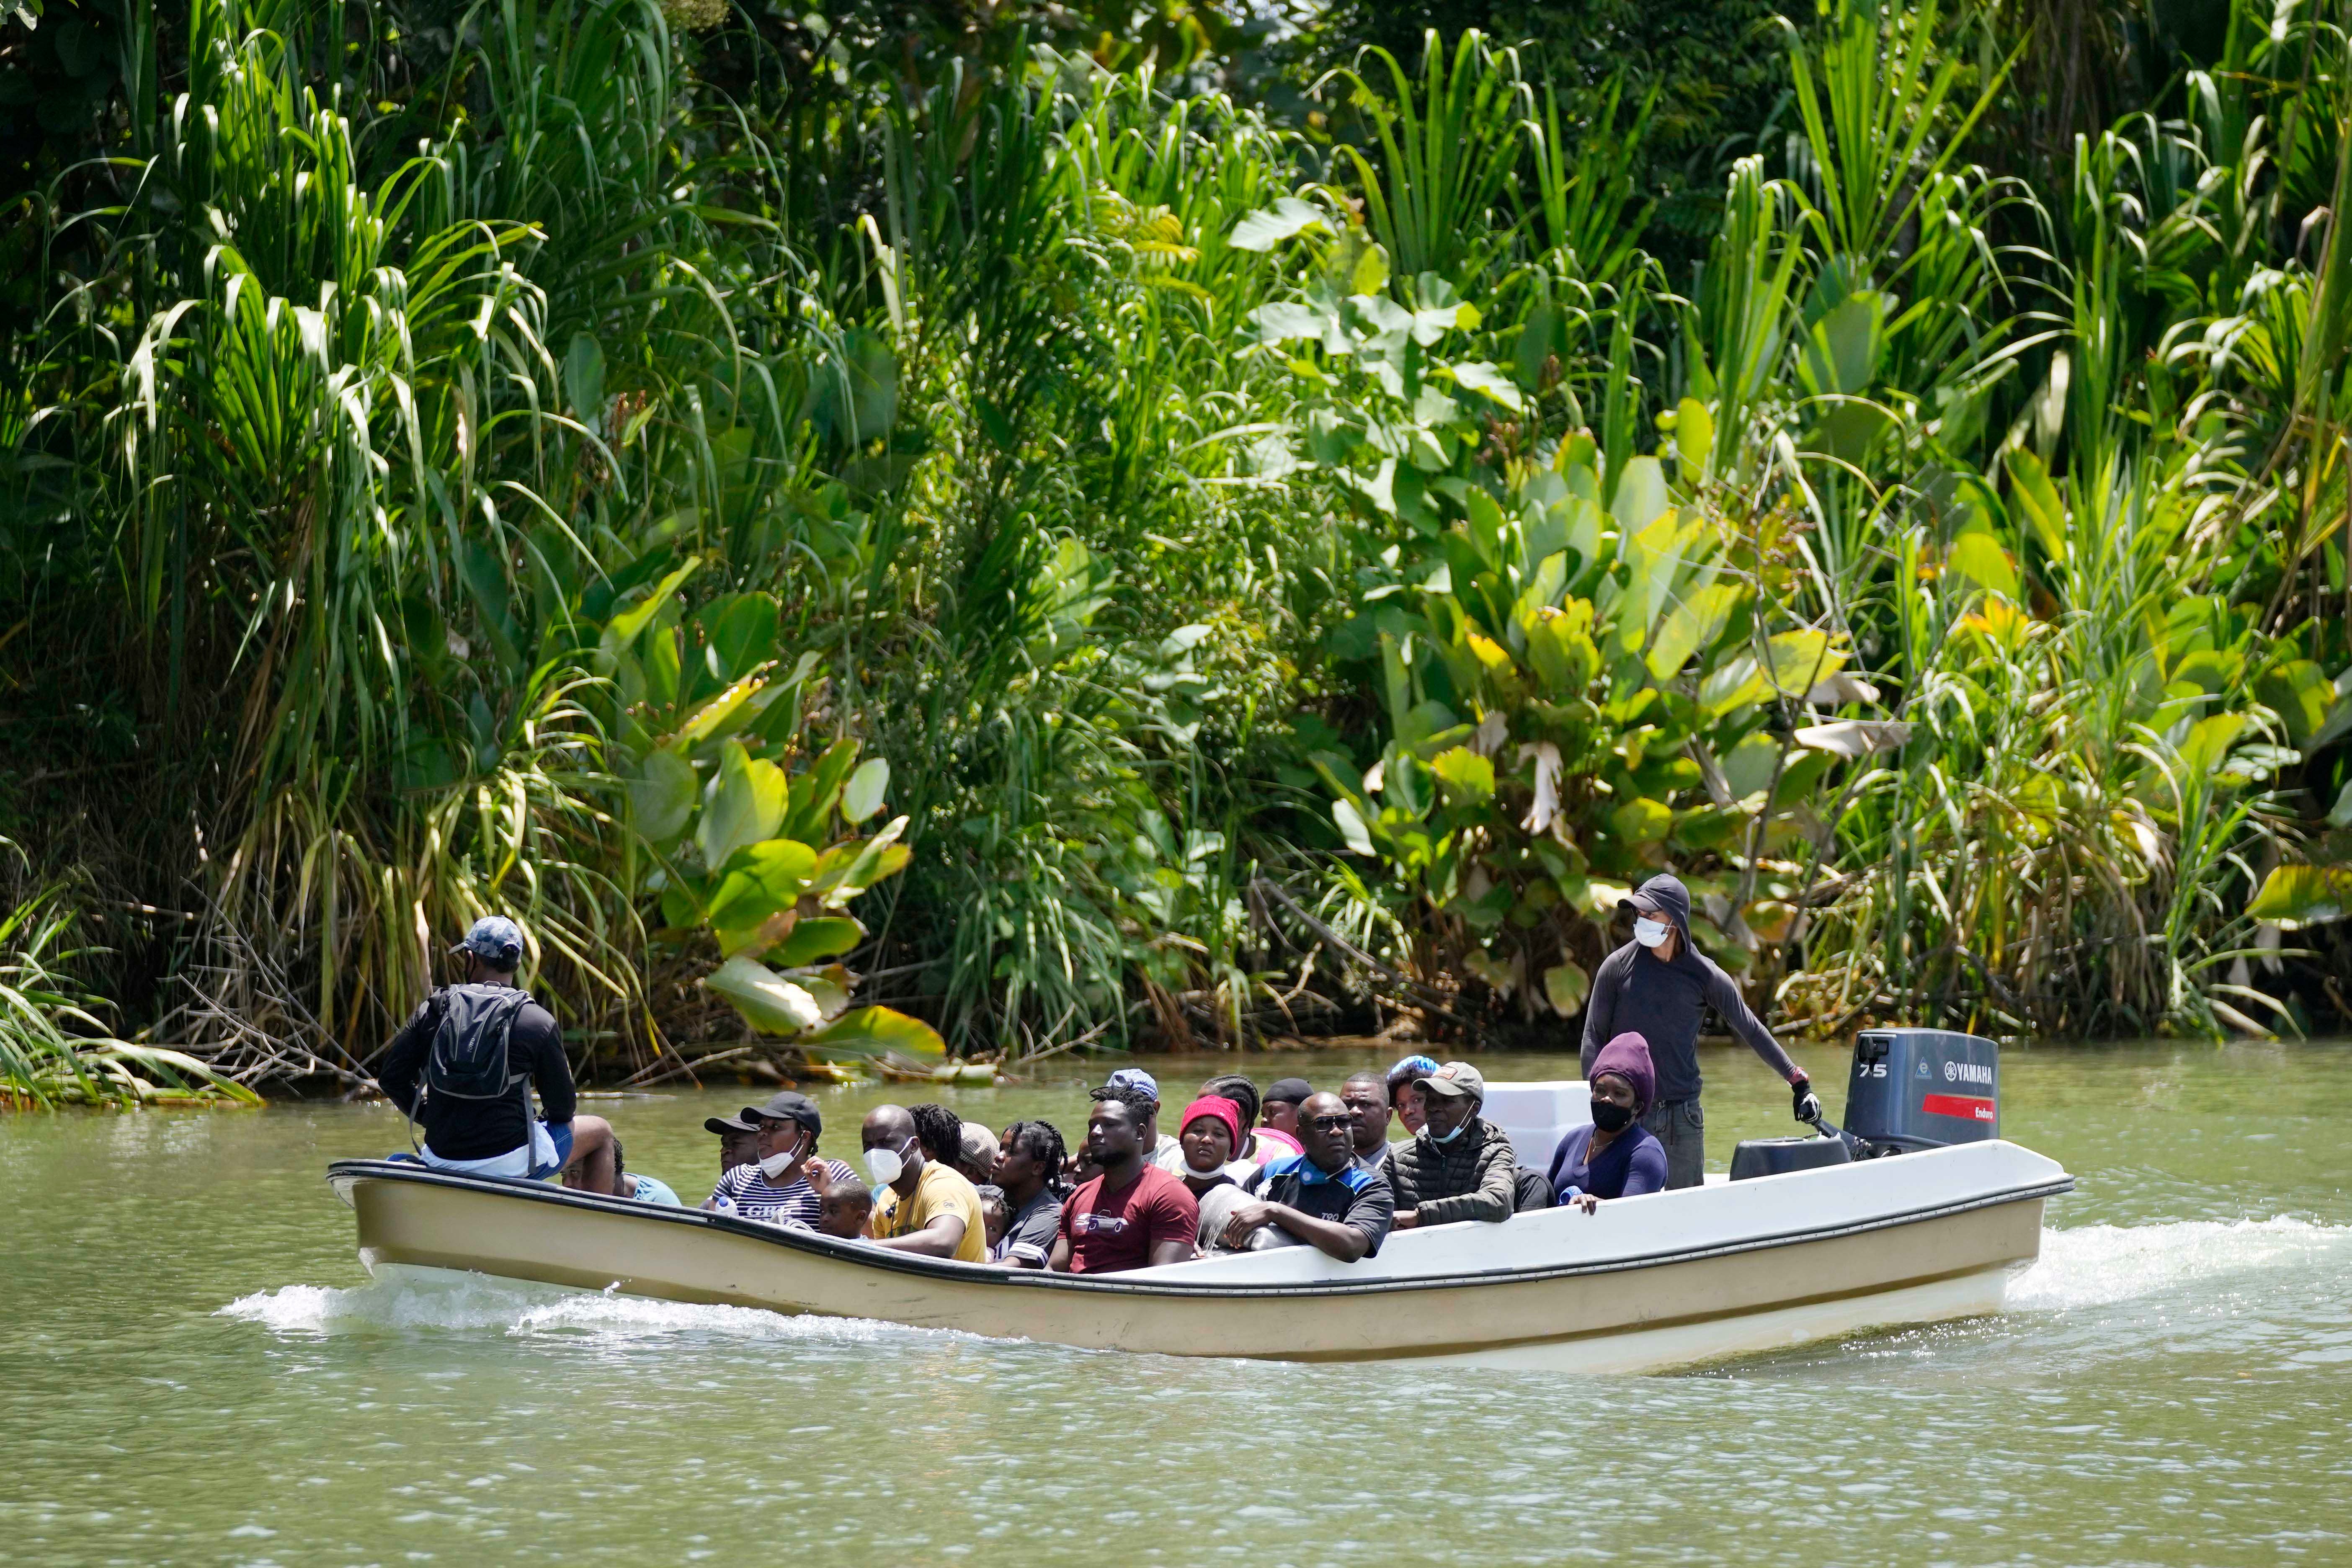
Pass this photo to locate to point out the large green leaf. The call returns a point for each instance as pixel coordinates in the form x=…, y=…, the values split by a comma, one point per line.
x=2037, y=499
x=741, y=634
x=709, y=718
x=847, y=870
x=1269, y=226
x=1352, y=831
x=622, y=629
x=743, y=805
x=1691, y=626
x=1565, y=985
x=1801, y=660
x=2296, y=896
x=872, y=1031
x=661, y=795
x=765, y=882
x=1559, y=647
x=768, y=1001
x=861, y=797
x=820, y=937
x=1640, y=821
x=1467, y=778
x=1977, y=557
x=818, y=791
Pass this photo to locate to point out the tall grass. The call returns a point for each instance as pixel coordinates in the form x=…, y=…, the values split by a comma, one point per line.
x=967, y=405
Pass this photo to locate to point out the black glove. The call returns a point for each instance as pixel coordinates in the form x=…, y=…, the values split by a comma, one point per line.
x=1807, y=1103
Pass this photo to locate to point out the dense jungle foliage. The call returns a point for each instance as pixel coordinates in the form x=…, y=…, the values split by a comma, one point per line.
x=918, y=526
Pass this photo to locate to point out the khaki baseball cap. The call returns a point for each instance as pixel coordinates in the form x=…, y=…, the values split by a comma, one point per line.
x=1456, y=1079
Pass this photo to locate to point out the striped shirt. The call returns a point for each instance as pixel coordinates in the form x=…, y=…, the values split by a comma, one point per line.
x=746, y=1191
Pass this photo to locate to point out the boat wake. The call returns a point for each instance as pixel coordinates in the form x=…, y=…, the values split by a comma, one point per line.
x=404, y=1301
x=2099, y=1265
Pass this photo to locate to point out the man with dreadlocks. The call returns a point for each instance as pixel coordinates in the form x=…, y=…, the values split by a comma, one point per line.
x=1029, y=1169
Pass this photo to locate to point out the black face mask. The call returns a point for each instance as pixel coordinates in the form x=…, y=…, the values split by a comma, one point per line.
x=1610, y=1116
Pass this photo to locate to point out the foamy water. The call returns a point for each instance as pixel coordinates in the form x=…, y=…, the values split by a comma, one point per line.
x=2099, y=1265
x=2092, y=1266
x=473, y=1303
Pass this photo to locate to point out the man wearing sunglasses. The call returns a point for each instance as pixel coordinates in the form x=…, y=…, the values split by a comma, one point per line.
x=1322, y=1198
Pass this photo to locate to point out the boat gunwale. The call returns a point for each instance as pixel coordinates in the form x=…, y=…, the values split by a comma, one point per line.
x=343, y=1172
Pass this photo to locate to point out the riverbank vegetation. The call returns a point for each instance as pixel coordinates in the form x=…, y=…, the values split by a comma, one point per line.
x=902, y=528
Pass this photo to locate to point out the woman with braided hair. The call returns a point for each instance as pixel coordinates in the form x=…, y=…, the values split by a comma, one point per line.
x=1029, y=1169
x=941, y=1132
x=1259, y=1144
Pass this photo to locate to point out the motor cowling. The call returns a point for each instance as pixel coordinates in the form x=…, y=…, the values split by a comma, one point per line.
x=1922, y=1089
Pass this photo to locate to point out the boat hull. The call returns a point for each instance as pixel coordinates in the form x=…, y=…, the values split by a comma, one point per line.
x=1666, y=1279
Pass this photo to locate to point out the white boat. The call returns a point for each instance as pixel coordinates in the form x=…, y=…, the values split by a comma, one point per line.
x=1666, y=1279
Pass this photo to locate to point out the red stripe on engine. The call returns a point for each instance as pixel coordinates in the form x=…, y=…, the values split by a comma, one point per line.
x=1965, y=1107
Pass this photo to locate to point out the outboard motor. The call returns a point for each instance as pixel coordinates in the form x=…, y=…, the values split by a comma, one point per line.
x=1921, y=1088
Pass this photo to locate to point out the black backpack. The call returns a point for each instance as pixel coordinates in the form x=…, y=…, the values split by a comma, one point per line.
x=470, y=1056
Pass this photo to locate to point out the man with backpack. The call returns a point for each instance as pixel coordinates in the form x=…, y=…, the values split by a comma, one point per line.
x=464, y=1066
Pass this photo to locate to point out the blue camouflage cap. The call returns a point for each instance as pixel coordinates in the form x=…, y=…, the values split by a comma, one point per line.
x=494, y=939
x=1135, y=1078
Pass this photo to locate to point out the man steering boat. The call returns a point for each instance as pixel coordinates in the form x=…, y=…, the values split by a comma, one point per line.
x=1660, y=987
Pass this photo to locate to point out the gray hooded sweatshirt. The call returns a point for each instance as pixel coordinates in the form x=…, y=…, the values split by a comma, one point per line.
x=1665, y=1001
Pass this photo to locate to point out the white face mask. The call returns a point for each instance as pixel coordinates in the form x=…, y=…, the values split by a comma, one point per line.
x=884, y=1165
x=774, y=1165
x=1649, y=933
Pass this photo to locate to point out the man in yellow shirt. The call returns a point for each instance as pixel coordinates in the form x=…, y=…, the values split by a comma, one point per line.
x=921, y=1201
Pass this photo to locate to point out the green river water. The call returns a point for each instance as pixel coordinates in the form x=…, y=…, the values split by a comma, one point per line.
x=195, y=1369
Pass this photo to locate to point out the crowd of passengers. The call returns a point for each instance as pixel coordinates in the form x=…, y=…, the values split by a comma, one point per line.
x=1293, y=1167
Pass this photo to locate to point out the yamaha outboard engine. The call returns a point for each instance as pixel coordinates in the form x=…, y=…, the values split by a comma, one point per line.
x=1921, y=1088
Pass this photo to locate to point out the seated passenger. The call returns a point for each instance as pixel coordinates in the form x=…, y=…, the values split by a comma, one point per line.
x=848, y=1209
x=464, y=1066
x=1259, y=1144
x=1210, y=1131
x=992, y=1214
x=1158, y=1147
x=738, y=1141
x=1405, y=1092
x=1322, y=1198
x=1616, y=1156
x=784, y=1183
x=1283, y=1096
x=1028, y=1164
x=1134, y=1215
x=1366, y=1096
x=1461, y=1166
x=627, y=1183
x=922, y=1203
x=977, y=1157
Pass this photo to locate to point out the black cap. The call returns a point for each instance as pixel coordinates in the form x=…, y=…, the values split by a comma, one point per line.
x=1288, y=1091
x=786, y=1106
x=723, y=1125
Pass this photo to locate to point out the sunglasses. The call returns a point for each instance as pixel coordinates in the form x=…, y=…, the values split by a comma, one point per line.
x=1331, y=1124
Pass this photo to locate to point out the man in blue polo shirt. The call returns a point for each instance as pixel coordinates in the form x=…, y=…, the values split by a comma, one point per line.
x=1323, y=1198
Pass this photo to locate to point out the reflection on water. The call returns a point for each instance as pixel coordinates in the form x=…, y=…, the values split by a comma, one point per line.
x=196, y=1369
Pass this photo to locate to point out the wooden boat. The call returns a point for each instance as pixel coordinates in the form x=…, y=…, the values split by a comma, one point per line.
x=1666, y=1279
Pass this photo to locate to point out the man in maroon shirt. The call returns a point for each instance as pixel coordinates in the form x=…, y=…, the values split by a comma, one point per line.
x=1133, y=1215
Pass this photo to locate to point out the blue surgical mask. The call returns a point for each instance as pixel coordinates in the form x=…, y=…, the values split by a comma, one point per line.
x=1437, y=1137
x=1649, y=933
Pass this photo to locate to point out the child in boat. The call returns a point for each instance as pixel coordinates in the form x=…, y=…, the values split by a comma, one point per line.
x=848, y=1205
x=993, y=1214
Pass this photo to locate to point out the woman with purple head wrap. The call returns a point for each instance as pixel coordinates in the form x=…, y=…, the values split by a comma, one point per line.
x=1616, y=1156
